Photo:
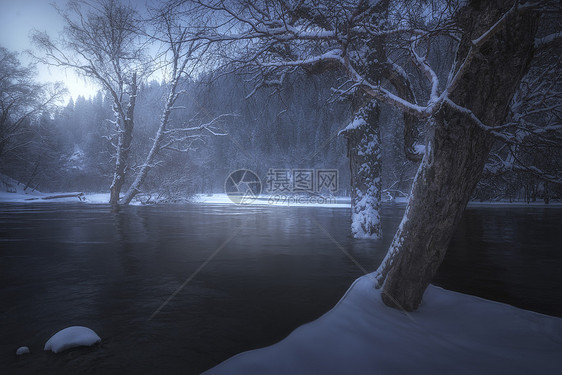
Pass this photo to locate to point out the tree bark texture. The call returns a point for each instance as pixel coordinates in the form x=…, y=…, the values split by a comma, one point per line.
x=457, y=149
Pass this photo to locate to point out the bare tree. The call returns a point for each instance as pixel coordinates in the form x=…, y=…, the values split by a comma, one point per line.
x=270, y=39
x=105, y=40
x=102, y=42
x=495, y=43
x=180, y=58
x=22, y=100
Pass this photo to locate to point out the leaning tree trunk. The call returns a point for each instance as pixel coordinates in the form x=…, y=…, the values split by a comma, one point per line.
x=173, y=95
x=124, y=138
x=134, y=189
x=363, y=147
x=457, y=150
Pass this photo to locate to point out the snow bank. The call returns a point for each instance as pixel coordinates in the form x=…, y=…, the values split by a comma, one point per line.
x=97, y=198
x=12, y=190
x=38, y=197
x=278, y=200
x=72, y=337
x=450, y=333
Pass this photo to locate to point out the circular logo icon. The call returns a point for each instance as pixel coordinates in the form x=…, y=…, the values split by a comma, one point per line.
x=242, y=186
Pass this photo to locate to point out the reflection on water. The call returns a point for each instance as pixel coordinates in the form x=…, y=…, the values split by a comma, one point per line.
x=510, y=255
x=75, y=264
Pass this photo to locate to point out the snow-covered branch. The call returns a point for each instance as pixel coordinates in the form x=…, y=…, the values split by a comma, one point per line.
x=548, y=40
x=421, y=62
x=510, y=162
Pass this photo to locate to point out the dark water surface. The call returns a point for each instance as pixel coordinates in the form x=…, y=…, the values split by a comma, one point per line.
x=274, y=269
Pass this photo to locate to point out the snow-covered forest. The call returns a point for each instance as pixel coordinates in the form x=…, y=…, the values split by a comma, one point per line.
x=53, y=143
x=66, y=148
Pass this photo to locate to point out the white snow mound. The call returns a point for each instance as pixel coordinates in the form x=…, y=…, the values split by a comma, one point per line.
x=72, y=337
x=22, y=350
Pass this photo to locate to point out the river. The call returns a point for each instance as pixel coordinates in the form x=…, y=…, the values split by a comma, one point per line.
x=245, y=277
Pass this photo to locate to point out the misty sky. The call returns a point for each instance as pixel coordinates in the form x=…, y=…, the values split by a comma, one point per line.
x=18, y=18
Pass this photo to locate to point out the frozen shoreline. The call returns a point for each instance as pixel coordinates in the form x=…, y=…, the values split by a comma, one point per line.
x=38, y=197
x=450, y=332
x=344, y=202
x=222, y=199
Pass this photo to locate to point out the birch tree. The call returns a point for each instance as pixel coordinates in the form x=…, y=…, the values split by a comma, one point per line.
x=101, y=41
x=105, y=41
x=180, y=58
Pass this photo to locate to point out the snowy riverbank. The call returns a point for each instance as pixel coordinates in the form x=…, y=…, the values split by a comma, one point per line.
x=333, y=202
x=39, y=197
x=279, y=200
x=345, y=202
x=450, y=333
x=12, y=191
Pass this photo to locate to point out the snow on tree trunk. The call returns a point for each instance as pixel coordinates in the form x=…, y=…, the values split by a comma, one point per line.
x=457, y=150
x=178, y=69
x=124, y=138
x=363, y=137
x=134, y=189
x=364, y=148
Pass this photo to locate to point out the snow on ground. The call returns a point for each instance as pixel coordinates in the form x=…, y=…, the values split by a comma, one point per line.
x=38, y=197
x=331, y=202
x=35, y=197
x=275, y=200
x=71, y=337
x=339, y=202
x=13, y=191
x=450, y=333
x=98, y=198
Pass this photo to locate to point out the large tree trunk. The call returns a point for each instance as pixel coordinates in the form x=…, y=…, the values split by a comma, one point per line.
x=124, y=139
x=363, y=147
x=457, y=150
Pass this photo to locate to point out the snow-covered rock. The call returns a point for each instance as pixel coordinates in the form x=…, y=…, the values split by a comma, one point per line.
x=72, y=337
x=22, y=350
